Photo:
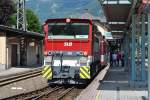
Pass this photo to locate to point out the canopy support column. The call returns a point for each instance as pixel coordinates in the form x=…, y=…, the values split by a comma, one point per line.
x=143, y=49
x=148, y=54
x=133, y=69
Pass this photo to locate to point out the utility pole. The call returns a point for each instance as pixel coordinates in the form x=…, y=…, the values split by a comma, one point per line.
x=21, y=15
x=21, y=25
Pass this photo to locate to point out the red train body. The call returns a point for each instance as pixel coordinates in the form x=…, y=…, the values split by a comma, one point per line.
x=74, y=48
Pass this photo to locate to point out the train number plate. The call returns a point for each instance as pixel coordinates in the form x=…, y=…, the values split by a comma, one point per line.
x=68, y=44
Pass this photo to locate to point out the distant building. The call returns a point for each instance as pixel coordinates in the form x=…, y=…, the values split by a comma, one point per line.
x=19, y=48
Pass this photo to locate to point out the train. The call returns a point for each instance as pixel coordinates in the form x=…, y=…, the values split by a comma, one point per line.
x=75, y=50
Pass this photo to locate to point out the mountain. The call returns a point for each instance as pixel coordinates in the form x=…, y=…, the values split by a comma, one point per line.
x=65, y=8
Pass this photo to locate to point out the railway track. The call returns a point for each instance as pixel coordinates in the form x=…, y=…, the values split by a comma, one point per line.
x=56, y=93
x=20, y=76
x=39, y=96
x=49, y=93
x=64, y=93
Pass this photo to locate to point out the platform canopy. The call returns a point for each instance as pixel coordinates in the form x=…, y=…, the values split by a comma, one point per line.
x=118, y=14
x=16, y=32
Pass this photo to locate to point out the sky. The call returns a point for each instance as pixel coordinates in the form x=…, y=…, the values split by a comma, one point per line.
x=66, y=8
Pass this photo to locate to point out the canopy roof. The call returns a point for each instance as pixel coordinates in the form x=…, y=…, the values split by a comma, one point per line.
x=118, y=14
x=15, y=32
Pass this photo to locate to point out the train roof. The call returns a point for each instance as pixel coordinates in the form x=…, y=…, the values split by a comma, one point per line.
x=64, y=19
x=103, y=28
x=103, y=25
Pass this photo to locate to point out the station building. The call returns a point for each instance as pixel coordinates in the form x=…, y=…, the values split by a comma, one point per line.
x=19, y=48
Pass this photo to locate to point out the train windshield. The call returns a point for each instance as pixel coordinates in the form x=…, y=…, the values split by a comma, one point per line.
x=68, y=30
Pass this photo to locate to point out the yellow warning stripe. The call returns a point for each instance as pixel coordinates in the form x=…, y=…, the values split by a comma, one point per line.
x=82, y=76
x=84, y=73
x=49, y=76
x=46, y=67
x=85, y=68
x=46, y=73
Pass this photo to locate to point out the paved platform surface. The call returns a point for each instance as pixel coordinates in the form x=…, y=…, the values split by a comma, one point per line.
x=115, y=86
x=14, y=70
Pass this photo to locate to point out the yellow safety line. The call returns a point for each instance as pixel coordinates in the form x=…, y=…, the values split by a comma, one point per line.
x=98, y=95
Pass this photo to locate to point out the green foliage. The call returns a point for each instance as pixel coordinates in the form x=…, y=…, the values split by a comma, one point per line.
x=12, y=20
x=33, y=23
x=7, y=8
x=8, y=12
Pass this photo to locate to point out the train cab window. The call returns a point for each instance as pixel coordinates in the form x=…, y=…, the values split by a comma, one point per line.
x=71, y=30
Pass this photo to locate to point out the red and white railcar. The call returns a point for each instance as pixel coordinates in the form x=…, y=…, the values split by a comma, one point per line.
x=74, y=49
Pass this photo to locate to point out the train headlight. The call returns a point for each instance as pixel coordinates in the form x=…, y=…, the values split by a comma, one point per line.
x=81, y=53
x=85, y=53
x=50, y=53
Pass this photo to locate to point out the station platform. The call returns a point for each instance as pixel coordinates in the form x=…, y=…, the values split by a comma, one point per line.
x=17, y=70
x=113, y=84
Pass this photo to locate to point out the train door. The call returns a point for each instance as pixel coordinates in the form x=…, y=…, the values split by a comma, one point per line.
x=14, y=57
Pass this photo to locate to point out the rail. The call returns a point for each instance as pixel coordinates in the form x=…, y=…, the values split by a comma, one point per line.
x=46, y=93
x=64, y=93
x=20, y=76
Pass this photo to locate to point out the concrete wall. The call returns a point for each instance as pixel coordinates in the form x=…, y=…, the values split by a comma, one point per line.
x=2, y=51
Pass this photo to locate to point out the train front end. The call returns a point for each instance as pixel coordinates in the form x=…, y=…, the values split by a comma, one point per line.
x=67, y=50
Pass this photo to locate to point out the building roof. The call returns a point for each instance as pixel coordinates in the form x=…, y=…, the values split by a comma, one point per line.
x=16, y=32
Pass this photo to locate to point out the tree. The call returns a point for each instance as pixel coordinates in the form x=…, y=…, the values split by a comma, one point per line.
x=7, y=8
x=8, y=13
x=12, y=20
x=33, y=23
